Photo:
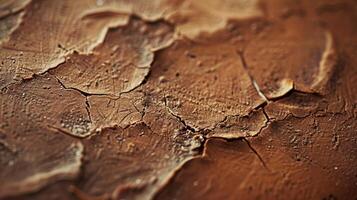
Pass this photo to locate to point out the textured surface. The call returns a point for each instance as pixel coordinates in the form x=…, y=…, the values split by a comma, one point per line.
x=178, y=99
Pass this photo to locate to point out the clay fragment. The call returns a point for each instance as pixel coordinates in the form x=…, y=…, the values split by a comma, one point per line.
x=203, y=83
x=44, y=102
x=24, y=55
x=120, y=64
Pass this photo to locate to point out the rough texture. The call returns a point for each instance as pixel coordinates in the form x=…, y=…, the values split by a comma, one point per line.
x=178, y=99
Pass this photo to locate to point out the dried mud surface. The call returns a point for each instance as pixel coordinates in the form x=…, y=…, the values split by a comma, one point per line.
x=171, y=99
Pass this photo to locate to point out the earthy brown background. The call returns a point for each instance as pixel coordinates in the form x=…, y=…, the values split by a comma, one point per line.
x=178, y=99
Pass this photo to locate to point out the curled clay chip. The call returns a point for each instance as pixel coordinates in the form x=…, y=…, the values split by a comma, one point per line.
x=283, y=58
x=120, y=63
x=241, y=126
x=296, y=104
x=203, y=83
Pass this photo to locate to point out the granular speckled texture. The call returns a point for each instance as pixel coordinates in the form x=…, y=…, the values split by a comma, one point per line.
x=178, y=99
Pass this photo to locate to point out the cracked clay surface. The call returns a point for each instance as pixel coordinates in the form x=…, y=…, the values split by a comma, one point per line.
x=178, y=99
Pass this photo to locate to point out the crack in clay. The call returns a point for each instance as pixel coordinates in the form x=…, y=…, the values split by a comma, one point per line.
x=262, y=106
x=60, y=46
x=257, y=154
x=88, y=109
x=182, y=121
x=85, y=94
x=255, y=84
x=209, y=130
x=202, y=155
x=272, y=100
x=266, y=124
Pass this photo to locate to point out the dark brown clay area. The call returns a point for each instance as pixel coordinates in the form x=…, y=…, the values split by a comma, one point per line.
x=178, y=99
